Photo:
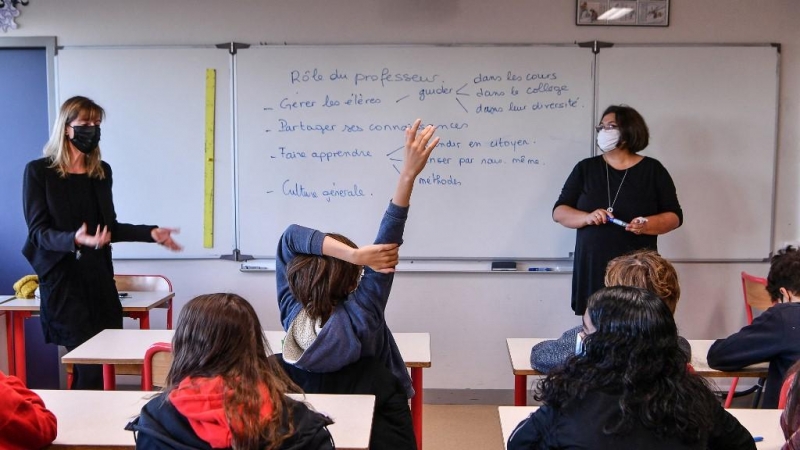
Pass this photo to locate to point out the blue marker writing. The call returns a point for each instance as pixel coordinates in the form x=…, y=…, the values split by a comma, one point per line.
x=616, y=221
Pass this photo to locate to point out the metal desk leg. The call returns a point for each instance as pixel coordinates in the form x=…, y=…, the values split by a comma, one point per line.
x=416, y=404
x=520, y=390
x=109, y=377
x=12, y=367
x=18, y=319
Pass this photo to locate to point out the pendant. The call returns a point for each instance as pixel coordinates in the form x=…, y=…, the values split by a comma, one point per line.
x=610, y=209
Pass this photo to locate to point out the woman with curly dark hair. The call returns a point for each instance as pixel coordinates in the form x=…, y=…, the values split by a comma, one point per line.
x=628, y=387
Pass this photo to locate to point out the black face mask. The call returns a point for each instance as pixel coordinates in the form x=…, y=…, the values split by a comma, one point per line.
x=86, y=138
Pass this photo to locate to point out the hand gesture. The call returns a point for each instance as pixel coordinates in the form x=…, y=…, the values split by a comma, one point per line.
x=100, y=239
x=379, y=257
x=163, y=236
x=597, y=217
x=418, y=148
x=637, y=226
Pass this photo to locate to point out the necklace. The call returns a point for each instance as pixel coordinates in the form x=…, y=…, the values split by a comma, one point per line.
x=608, y=185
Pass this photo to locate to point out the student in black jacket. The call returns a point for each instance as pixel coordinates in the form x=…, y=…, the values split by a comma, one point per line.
x=223, y=391
x=71, y=222
x=629, y=387
x=773, y=336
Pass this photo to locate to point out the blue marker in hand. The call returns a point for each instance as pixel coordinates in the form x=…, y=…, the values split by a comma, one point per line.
x=616, y=221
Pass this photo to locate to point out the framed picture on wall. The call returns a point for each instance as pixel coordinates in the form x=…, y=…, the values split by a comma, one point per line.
x=650, y=13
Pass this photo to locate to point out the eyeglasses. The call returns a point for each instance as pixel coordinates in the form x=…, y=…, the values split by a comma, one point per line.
x=609, y=126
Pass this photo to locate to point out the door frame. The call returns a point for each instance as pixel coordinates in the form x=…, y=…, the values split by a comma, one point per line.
x=48, y=43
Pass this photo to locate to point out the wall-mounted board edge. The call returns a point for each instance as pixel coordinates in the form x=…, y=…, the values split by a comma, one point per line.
x=539, y=267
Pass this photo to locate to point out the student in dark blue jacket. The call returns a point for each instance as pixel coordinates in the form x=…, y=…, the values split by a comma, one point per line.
x=333, y=315
x=773, y=336
x=629, y=387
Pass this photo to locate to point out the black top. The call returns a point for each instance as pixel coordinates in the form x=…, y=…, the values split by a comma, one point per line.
x=580, y=426
x=83, y=202
x=647, y=190
x=773, y=336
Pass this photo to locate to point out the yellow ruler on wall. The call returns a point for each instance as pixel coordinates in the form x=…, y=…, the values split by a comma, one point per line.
x=208, y=190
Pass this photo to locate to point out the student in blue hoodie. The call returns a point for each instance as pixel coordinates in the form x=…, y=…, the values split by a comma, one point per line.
x=333, y=315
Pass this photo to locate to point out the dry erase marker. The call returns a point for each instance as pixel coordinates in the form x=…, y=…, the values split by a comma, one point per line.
x=757, y=438
x=540, y=269
x=616, y=221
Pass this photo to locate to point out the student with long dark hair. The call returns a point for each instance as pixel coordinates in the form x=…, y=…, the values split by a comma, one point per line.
x=629, y=387
x=334, y=316
x=223, y=390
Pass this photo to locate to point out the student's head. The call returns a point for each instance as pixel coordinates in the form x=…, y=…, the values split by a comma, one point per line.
x=220, y=335
x=320, y=283
x=783, y=281
x=631, y=349
x=633, y=133
x=75, y=112
x=646, y=269
x=630, y=319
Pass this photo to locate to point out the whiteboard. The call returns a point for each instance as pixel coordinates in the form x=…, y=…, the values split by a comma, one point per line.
x=153, y=137
x=712, y=114
x=320, y=132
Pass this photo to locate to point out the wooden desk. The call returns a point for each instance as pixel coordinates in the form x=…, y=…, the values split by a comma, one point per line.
x=519, y=351
x=137, y=305
x=100, y=420
x=127, y=348
x=759, y=422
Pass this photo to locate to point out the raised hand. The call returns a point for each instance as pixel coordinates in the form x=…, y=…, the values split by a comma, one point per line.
x=418, y=148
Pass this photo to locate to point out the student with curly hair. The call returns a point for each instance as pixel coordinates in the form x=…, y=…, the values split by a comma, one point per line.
x=223, y=390
x=645, y=269
x=629, y=387
x=774, y=335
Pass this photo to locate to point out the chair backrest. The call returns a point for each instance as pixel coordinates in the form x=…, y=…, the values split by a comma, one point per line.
x=787, y=384
x=142, y=283
x=157, y=361
x=755, y=294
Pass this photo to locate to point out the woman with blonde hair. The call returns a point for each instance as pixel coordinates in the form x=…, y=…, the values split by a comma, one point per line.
x=71, y=221
x=644, y=269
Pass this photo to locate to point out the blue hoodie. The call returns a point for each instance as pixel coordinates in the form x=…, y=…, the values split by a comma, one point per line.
x=357, y=327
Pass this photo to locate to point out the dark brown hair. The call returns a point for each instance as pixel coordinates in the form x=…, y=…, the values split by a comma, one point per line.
x=646, y=269
x=784, y=272
x=220, y=335
x=633, y=133
x=321, y=282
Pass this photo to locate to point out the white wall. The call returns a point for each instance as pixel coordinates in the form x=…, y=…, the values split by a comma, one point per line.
x=467, y=315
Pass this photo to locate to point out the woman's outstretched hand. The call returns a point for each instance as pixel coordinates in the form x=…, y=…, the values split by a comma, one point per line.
x=163, y=236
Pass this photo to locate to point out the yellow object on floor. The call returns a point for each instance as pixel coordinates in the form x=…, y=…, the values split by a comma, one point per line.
x=26, y=286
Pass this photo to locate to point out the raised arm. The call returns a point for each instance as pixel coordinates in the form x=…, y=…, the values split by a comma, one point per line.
x=418, y=149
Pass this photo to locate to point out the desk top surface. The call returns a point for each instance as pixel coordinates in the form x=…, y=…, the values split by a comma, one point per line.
x=129, y=346
x=519, y=350
x=5, y=298
x=135, y=301
x=759, y=422
x=100, y=420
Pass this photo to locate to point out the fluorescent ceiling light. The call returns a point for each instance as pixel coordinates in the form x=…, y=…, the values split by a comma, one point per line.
x=615, y=13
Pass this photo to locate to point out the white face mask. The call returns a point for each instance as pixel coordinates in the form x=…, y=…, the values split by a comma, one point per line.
x=607, y=140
